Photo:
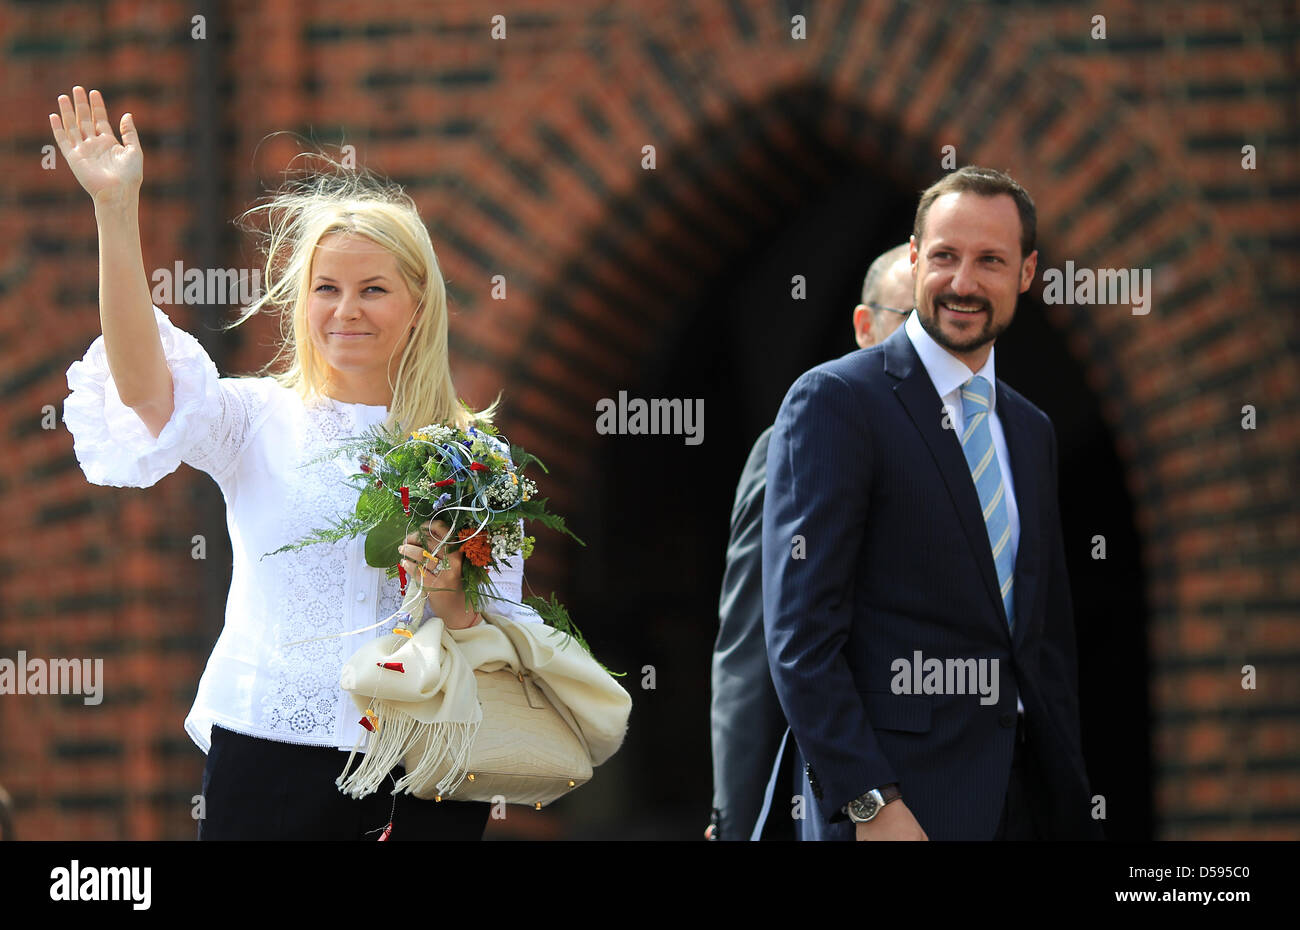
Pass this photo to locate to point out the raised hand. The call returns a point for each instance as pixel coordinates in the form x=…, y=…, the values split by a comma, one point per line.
x=109, y=171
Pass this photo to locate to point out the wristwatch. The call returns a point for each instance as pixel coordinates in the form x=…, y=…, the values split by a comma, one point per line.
x=865, y=808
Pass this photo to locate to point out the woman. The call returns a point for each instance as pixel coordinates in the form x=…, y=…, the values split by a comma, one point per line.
x=352, y=272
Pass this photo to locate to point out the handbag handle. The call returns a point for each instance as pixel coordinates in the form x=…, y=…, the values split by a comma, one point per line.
x=532, y=693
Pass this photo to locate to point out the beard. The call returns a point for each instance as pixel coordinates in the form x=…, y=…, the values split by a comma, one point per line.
x=964, y=342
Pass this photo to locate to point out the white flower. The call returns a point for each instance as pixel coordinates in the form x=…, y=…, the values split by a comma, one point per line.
x=502, y=494
x=507, y=541
x=437, y=433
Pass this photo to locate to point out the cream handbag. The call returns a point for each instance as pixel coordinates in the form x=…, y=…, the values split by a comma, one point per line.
x=501, y=711
x=526, y=750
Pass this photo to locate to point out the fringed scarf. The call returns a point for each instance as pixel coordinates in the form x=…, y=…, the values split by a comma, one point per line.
x=435, y=695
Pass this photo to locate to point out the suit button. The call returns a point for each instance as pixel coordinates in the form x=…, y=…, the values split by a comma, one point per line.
x=1007, y=720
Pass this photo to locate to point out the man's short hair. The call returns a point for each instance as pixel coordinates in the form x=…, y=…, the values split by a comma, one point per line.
x=876, y=273
x=987, y=182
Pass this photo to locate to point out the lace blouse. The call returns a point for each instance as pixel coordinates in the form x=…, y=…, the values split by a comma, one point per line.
x=253, y=436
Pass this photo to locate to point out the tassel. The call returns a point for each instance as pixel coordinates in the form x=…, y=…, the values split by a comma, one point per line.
x=406, y=500
x=401, y=574
x=391, y=666
x=447, y=742
x=338, y=782
x=383, y=837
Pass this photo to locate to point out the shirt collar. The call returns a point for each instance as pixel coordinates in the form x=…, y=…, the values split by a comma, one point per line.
x=947, y=372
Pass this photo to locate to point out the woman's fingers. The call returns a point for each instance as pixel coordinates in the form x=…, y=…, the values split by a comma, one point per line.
x=83, y=117
x=416, y=559
x=439, y=531
x=85, y=122
x=412, y=560
x=105, y=169
x=129, y=135
x=99, y=113
x=61, y=137
x=417, y=553
x=68, y=119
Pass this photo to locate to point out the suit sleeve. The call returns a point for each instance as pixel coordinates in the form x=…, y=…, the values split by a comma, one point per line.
x=818, y=471
x=747, y=720
x=1060, y=665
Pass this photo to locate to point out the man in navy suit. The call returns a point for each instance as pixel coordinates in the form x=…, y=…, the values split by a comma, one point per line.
x=749, y=743
x=917, y=612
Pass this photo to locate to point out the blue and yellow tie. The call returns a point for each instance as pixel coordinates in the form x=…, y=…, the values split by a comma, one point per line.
x=982, y=458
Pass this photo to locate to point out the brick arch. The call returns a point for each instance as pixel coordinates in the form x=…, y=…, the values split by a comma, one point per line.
x=1170, y=384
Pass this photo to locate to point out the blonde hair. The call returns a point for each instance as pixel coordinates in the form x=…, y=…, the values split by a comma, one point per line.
x=356, y=202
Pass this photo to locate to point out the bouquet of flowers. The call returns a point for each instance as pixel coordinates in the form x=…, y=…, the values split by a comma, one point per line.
x=471, y=479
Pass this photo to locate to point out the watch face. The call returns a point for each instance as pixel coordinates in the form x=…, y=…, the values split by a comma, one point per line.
x=864, y=808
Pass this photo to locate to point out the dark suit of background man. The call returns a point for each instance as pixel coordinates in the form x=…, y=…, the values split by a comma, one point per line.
x=748, y=726
x=911, y=508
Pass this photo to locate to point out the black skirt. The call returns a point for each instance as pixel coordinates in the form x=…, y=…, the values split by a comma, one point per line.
x=261, y=789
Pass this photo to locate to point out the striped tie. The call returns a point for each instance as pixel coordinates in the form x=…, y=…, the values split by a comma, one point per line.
x=977, y=444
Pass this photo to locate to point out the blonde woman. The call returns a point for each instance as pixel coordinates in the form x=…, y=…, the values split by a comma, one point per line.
x=351, y=271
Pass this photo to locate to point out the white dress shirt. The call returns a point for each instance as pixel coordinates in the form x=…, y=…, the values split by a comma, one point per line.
x=948, y=373
x=253, y=436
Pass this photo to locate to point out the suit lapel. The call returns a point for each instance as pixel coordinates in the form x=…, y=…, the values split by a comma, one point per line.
x=917, y=394
x=1026, y=474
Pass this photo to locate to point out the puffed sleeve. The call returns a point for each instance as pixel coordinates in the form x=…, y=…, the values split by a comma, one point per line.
x=112, y=444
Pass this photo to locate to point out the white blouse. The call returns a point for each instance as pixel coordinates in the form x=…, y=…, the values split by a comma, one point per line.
x=252, y=436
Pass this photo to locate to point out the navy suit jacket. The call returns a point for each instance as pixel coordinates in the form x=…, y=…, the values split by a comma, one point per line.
x=893, y=557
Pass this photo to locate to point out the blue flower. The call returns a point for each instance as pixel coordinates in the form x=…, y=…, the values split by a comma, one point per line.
x=452, y=454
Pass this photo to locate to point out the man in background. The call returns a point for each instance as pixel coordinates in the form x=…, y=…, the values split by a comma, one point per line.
x=749, y=728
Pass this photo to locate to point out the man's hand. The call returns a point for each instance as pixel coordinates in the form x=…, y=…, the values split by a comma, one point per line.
x=894, y=822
